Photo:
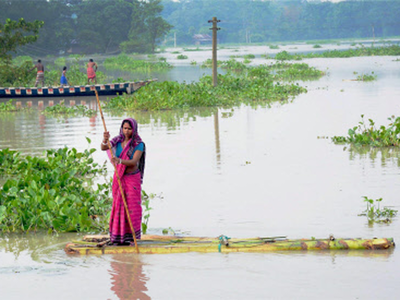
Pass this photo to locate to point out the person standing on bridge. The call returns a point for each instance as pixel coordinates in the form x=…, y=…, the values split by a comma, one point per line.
x=63, y=79
x=40, y=73
x=91, y=71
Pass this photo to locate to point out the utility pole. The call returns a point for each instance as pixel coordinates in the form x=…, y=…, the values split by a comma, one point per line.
x=174, y=39
x=214, y=21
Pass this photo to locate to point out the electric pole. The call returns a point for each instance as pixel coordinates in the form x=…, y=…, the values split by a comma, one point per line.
x=214, y=22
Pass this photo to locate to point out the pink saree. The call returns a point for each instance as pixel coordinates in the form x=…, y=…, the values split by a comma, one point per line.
x=120, y=231
x=90, y=73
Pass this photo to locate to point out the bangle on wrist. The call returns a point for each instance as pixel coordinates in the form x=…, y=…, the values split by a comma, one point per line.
x=120, y=161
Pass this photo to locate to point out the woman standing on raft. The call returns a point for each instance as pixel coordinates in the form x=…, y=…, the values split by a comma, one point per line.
x=129, y=159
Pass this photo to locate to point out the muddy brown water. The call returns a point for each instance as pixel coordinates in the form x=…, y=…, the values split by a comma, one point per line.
x=241, y=172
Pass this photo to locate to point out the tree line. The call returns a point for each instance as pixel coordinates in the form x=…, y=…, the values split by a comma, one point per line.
x=112, y=26
x=255, y=21
x=89, y=26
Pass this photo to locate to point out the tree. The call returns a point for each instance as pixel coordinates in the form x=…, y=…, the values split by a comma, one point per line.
x=14, y=34
x=147, y=26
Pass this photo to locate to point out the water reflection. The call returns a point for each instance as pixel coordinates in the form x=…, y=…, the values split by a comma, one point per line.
x=384, y=154
x=128, y=280
x=37, y=245
x=172, y=119
x=217, y=142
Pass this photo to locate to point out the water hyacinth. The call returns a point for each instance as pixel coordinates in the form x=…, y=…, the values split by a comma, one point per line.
x=368, y=134
x=250, y=86
x=54, y=192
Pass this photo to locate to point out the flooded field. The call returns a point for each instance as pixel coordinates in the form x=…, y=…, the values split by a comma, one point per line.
x=242, y=172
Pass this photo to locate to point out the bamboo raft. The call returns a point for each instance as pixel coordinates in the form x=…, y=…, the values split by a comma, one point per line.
x=156, y=244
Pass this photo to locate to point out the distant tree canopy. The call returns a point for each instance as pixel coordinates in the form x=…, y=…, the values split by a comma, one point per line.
x=247, y=21
x=90, y=26
x=14, y=34
x=109, y=26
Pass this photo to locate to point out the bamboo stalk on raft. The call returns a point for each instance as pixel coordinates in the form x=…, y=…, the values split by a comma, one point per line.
x=119, y=180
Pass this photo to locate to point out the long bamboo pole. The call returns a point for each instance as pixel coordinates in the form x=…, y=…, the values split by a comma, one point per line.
x=119, y=180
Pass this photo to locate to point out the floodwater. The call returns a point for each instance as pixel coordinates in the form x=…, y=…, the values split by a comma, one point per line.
x=241, y=172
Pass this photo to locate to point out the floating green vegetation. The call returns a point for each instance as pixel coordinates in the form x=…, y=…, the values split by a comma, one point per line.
x=273, y=47
x=175, y=52
x=8, y=106
x=61, y=109
x=194, y=49
x=182, y=56
x=368, y=134
x=193, y=63
x=295, y=71
x=284, y=55
x=54, y=192
x=375, y=214
x=367, y=77
x=317, y=46
x=246, y=61
x=252, y=85
x=249, y=56
x=391, y=50
x=127, y=63
x=231, y=65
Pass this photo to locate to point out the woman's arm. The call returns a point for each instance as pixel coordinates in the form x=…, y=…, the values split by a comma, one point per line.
x=129, y=162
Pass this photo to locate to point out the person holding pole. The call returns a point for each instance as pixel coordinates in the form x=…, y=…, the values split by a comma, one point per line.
x=128, y=157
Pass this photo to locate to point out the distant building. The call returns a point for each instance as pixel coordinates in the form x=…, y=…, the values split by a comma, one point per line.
x=199, y=39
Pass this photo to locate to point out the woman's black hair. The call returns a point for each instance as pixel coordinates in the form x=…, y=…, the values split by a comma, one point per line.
x=64, y=68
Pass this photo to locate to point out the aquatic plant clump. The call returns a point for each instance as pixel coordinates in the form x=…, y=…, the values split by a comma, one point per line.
x=367, y=77
x=53, y=192
x=368, y=134
x=375, y=213
x=256, y=85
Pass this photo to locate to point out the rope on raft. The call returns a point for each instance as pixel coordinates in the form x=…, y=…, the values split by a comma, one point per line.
x=223, y=240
